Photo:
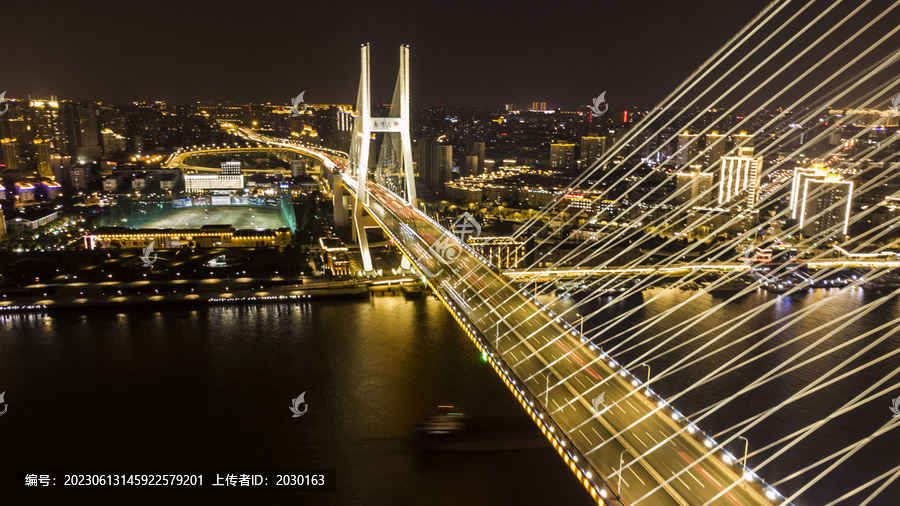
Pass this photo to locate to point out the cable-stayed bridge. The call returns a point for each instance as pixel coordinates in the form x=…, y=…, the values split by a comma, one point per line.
x=624, y=442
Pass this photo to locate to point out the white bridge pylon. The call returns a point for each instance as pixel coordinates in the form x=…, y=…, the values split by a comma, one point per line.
x=364, y=126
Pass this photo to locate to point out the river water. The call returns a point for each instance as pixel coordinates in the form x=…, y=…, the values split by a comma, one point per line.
x=210, y=388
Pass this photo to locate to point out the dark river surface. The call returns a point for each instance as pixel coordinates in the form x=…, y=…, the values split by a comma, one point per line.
x=210, y=388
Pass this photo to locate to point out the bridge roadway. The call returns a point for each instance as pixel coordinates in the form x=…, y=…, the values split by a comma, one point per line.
x=679, y=468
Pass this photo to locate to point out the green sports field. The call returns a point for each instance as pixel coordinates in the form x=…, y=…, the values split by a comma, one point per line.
x=241, y=217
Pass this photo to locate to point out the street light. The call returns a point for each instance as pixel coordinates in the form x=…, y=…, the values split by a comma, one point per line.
x=746, y=446
x=621, y=456
x=547, y=392
x=648, y=371
x=580, y=323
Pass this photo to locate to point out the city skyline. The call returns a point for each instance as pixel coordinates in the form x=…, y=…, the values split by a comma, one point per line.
x=564, y=56
x=692, y=302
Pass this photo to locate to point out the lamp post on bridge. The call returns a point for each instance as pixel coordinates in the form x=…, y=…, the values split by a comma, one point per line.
x=648, y=371
x=746, y=447
x=580, y=324
x=547, y=392
x=621, y=457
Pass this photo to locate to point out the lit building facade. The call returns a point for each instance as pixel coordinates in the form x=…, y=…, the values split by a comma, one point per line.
x=739, y=176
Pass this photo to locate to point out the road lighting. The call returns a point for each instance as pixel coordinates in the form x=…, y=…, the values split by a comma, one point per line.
x=547, y=392
x=746, y=446
x=580, y=323
x=621, y=456
x=648, y=371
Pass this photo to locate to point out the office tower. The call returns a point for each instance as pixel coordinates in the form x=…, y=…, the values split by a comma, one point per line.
x=697, y=182
x=539, y=106
x=820, y=201
x=78, y=177
x=475, y=148
x=112, y=142
x=45, y=123
x=592, y=148
x=435, y=163
x=714, y=150
x=738, y=176
x=42, y=153
x=801, y=174
x=562, y=156
x=471, y=165
x=427, y=160
x=10, y=153
x=687, y=148
x=82, y=132
x=60, y=166
x=825, y=206
x=445, y=165
x=740, y=140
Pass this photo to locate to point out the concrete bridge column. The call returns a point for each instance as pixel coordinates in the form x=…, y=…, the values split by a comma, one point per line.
x=337, y=198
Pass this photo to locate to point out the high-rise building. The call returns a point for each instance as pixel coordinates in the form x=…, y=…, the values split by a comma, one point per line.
x=539, y=106
x=801, y=174
x=78, y=177
x=42, y=153
x=688, y=148
x=10, y=153
x=821, y=202
x=471, y=165
x=435, y=163
x=82, y=132
x=475, y=148
x=741, y=140
x=562, y=156
x=592, y=148
x=739, y=176
x=60, y=165
x=44, y=120
x=445, y=165
x=112, y=142
x=693, y=183
x=714, y=150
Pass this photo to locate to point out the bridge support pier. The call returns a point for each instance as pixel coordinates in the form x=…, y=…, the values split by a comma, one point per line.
x=337, y=199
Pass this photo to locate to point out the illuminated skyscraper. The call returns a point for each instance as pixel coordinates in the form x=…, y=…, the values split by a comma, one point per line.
x=45, y=123
x=697, y=183
x=42, y=153
x=821, y=202
x=592, y=149
x=10, y=153
x=715, y=149
x=562, y=156
x=475, y=148
x=687, y=148
x=739, y=176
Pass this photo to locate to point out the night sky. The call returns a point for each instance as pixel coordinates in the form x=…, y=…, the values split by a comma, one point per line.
x=462, y=53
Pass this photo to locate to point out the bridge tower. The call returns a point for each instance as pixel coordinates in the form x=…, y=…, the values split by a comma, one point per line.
x=396, y=126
